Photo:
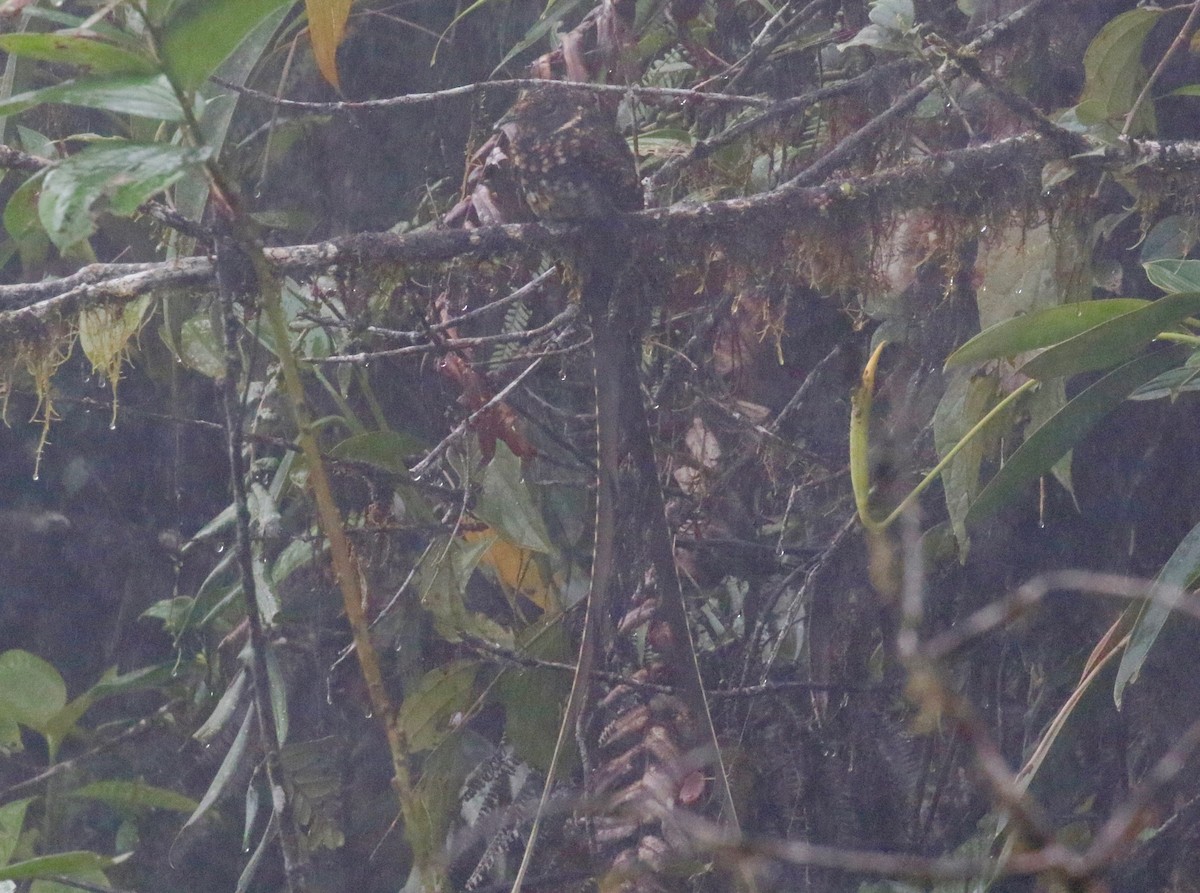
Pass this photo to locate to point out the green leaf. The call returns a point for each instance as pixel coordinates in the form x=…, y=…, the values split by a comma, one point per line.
x=535, y=697
x=31, y=690
x=551, y=16
x=1170, y=384
x=1174, y=276
x=203, y=33
x=70, y=864
x=1067, y=427
x=135, y=795
x=1114, y=341
x=507, y=505
x=21, y=221
x=1041, y=329
x=965, y=402
x=231, y=768
x=12, y=819
x=96, y=878
x=91, y=56
x=226, y=708
x=200, y=346
x=116, y=177
x=1113, y=71
x=426, y=714
x=145, y=95
x=383, y=449
x=1178, y=574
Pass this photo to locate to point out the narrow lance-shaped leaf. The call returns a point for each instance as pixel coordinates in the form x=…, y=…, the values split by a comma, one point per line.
x=1066, y=428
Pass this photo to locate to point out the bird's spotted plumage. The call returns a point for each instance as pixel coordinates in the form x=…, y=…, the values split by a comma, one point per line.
x=570, y=161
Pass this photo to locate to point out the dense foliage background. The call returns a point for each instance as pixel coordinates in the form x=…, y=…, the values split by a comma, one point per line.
x=296, y=485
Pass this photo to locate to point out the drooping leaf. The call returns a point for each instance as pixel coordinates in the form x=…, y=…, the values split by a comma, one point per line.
x=1178, y=574
x=116, y=177
x=1050, y=442
x=230, y=768
x=965, y=402
x=326, y=27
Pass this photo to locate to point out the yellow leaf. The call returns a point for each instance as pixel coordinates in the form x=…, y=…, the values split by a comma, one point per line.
x=515, y=569
x=326, y=28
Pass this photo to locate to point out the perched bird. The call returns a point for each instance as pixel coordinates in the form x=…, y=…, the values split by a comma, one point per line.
x=570, y=161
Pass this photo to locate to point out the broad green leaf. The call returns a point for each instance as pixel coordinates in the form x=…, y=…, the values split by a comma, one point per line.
x=70, y=864
x=31, y=690
x=535, y=697
x=116, y=177
x=1113, y=73
x=1051, y=441
x=383, y=449
x=191, y=193
x=144, y=95
x=1174, y=276
x=96, y=878
x=201, y=348
x=21, y=221
x=1114, y=341
x=1171, y=238
x=1179, y=573
x=427, y=713
x=91, y=56
x=965, y=402
x=202, y=34
x=135, y=795
x=507, y=505
x=1040, y=329
x=12, y=819
x=437, y=800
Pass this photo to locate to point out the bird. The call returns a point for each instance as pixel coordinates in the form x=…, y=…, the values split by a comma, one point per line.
x=570, y=160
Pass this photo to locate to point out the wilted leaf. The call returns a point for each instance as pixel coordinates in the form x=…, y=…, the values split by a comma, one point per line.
x=326, y=27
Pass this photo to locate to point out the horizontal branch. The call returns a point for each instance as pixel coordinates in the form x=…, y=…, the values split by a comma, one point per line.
x=979, y=179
